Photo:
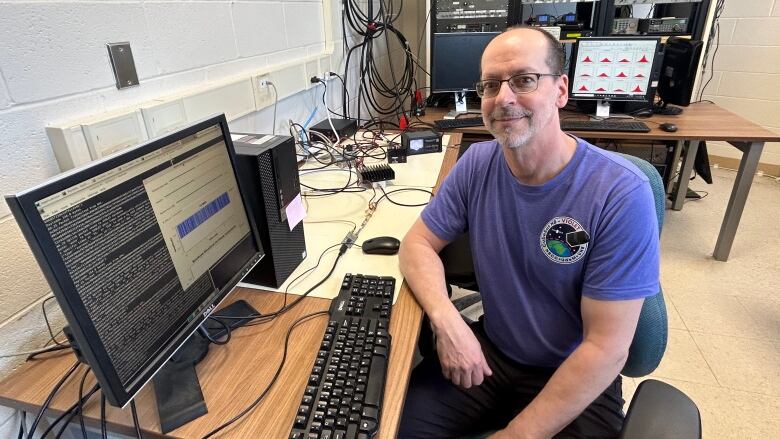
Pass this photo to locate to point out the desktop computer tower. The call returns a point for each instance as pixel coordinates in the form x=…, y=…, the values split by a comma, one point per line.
x=268, y=173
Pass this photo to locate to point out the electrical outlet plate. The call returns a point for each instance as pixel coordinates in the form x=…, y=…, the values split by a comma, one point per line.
x=122, y=64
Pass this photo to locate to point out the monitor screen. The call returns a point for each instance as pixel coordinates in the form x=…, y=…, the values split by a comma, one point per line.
x=614, y=68
x=456, y=59
x=140, y=247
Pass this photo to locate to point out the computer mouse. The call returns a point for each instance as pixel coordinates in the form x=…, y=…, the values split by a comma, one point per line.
x=381, y=245
x=668, y=127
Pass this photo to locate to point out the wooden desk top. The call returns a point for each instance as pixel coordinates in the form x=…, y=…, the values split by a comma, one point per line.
x=700, y=121
x=232, y=376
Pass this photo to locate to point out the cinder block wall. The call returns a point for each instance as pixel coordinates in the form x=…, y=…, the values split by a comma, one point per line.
x=746, y=77
x=54, y=67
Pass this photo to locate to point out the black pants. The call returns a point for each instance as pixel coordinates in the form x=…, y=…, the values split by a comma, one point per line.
x=436, y=408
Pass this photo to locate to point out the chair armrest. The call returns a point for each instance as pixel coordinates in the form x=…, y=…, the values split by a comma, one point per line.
x=660, y=411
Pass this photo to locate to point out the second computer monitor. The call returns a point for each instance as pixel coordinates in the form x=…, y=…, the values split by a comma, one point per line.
x=456, y=59
x=616, y=69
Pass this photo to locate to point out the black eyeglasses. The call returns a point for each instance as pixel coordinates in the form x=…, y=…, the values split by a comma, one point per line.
x=522, y=83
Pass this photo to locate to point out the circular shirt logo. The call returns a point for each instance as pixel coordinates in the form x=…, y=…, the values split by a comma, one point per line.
x=564, y=241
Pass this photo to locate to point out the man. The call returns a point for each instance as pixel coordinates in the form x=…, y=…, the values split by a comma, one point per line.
x=565, y=246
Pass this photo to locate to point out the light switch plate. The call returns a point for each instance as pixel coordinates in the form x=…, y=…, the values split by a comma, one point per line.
x=122, y=63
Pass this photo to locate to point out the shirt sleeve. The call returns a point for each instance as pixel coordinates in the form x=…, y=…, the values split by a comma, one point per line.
x=624, y=258
x=447, y=213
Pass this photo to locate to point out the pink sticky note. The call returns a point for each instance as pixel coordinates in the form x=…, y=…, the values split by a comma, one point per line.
x=295, y=212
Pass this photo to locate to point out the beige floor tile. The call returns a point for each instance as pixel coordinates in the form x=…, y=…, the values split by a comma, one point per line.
x=683, y=361
x=732, y=414
x=765, y=314
x=717, y=314
x=629, y=386
x=672, y=315
x=742, y=363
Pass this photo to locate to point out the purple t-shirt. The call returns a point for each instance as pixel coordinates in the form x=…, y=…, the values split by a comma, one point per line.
x=590, y=231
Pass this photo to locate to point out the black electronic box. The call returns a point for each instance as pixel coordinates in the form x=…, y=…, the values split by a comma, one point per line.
x=421, y=142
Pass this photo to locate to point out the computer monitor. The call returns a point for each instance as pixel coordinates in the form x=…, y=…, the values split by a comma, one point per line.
x=140, y=247
x=455, y=62
x=678, y=74
x=615, y=69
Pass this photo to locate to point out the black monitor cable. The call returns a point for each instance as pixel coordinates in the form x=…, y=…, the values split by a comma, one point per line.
x=205, y=333
x=386, y=195
x=22, y=424
x=103, y=432
x=273, y=380
x=76, y=409
x=53, y=392
x=135, y=419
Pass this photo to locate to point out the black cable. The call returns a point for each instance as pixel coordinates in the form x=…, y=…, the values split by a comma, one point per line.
x=46, y=351
x=48, y=325
x=22, y=424
x=53, y=392
x=135, y=419
x=72, y=411
x=386, y=195
x=205, y=333
x=103, y=416
x=273, y=380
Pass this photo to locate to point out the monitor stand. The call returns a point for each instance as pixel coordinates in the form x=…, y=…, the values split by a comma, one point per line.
x=602, y=109
x=461, y=106
x=176, y=386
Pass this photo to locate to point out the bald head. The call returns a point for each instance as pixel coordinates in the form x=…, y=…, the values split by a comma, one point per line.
x=532, y=38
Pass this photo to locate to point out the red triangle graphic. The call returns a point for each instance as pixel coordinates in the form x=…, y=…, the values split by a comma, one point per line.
x=585, y=75
x=619, y=89
x=583, y=88
x=587, y=59
x=639, y=75
x=607, y=60
x=637, y=90
x=622, y=75
x=624, y=60
x=644, y=59
x=603, y=75
x=601, y=89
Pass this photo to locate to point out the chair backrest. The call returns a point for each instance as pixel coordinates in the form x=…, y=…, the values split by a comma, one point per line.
x=652, y=330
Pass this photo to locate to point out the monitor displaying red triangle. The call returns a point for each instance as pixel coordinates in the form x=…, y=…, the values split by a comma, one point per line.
x=587, y=59
x=603, y=75
x=601, y=89
x=607, y=60
x=622, y=75
x=583, y=88
x=637, y=90
x=624, y=60
x=639, y=75
x=644, y=59
x=619, y=90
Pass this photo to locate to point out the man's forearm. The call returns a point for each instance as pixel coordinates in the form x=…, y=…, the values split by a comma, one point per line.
x=579, y=380
x=424, y=272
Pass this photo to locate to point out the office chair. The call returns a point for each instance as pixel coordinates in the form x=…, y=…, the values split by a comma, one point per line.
x=657, y=409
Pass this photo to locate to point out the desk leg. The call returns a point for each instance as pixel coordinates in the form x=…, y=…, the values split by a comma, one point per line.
x=685, y=175
x=739, y=193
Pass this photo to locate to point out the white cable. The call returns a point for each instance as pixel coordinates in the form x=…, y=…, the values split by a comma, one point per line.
x=330, y=121
x=276, y=101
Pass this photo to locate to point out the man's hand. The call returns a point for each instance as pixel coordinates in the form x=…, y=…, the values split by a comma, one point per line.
x=460, y=354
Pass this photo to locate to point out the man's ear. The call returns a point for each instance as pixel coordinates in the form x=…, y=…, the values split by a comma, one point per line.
x=563, y=91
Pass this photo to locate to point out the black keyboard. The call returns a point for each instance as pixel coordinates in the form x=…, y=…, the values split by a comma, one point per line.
x=463, y=122
x=604, y=125
x=343, y=396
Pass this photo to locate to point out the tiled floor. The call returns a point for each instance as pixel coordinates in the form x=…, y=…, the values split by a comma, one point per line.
x=724, y=317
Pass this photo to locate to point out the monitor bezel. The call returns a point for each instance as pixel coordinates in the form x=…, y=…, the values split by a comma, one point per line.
x=82, y=329
x=651, y=89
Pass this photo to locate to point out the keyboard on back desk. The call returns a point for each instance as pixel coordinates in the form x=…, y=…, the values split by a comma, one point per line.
x=604, y=125
x=343, y=395
x=463, y=122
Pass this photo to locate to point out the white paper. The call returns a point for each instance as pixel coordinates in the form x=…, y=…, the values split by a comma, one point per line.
x=295, y=212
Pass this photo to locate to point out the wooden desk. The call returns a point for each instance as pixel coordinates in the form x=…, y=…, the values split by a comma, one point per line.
x=699, y=122
x=234, y=375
